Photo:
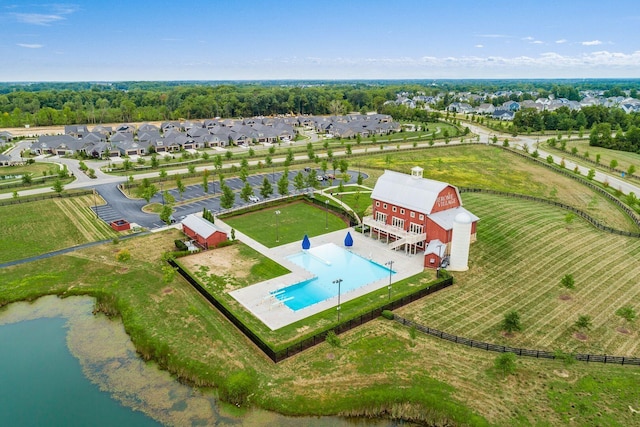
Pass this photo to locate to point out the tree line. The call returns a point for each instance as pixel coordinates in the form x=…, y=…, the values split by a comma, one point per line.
x=46, y=104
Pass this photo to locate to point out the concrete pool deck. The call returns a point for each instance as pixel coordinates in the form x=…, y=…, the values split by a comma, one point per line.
x=275, y=314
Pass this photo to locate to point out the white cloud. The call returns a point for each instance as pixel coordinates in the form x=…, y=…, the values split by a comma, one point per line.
x=57, y=12
x=37, y=18
x=592, y=43
x=528, y=38
x=479, y=46
x=561, y=41
x=494, y=36
x=30, y=46
x=537, y=42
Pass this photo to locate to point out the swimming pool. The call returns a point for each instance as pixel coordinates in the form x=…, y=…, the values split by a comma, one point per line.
x=327, y=263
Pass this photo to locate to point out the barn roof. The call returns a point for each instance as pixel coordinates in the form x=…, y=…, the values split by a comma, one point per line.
x=407, y=191
x=201, y=226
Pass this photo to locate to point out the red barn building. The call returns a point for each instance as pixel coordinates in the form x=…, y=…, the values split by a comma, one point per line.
x=203, y=232
x=416, y=213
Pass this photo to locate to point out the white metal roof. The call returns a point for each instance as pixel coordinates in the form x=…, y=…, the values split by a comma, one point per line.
x=201, y=226
x=417, y=194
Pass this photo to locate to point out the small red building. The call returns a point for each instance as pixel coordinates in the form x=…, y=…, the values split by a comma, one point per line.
x=203, y=232
x=120, y=225
x=411, y=211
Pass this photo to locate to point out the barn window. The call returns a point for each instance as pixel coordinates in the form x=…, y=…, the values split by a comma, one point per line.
x=384, y=206
x=421, y=217
x=377, y=204
x=394, y=209
x=401, y=211
x=412, y=214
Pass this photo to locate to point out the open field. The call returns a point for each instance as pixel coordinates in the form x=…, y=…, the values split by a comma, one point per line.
x=38, y=227
x=624, y=158
x=440, y=380
x=294, y=221
x=523, y=251
x=481, y=166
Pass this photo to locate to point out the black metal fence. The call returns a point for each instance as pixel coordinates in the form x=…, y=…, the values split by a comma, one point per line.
x=540, y=354
x=293, y=349
x=27, y=199
x=578, y=212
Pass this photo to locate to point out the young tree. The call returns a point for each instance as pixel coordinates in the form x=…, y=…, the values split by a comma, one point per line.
x=567, y=281
x=58, y=187
x=360, y=179
x=312, y=179
x=180, y=185
x=283, y=183
x=583, y=322
x=217, y=162
x=347, y=150
x=252, y=152
x=244, y=174
x=266, y=189
x=191, y=168
x=598, y=159
x=166, y=212
x=591, y=174
x=246, y=192
x=299, y=182
x=27, y=178
x=613, y=164
x=506, y=364
x=163, y=174
x=228, y=155
x=228, y=197
x=205, y=180
x=511, y=322
x=631, y=170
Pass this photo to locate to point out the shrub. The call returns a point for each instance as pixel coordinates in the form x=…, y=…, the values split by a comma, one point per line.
x=511, y=322
x=627, y=312
x=583, y=322
x=506, y=364
x=238, y=386
x=180, y=245
x=566, y=358
x=567, y=281
x=123, y=255
x=387, y=314
x=332, y=339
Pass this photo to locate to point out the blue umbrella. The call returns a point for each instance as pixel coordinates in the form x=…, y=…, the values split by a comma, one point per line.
x=348, y=241
x=306, y=244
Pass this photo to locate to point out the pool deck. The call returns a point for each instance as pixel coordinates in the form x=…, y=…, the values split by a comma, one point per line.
x=275, y=314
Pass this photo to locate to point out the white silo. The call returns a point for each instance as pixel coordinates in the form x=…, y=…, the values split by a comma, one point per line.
x=460, y=242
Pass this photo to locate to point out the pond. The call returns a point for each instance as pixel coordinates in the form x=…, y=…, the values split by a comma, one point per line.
x=62, y=366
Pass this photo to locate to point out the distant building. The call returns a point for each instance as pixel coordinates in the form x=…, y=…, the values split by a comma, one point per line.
x=416, y=214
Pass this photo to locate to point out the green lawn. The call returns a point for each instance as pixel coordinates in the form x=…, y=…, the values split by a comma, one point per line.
x=38, y=227
x=293, y=222
x=523, y=250
x=624, y=158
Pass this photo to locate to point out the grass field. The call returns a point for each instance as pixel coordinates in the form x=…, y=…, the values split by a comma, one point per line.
x=481, y=166
x=378, y=368
x=624, y=158
x=38, y=227
x=523, y=251
x=294, y=221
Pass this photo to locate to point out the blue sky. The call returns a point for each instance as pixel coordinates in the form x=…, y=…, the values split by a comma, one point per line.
x=286, y=39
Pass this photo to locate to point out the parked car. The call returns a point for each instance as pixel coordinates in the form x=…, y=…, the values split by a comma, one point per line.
x=329, y=176
x=320, y=178
x=254, y=199
x=307, y=169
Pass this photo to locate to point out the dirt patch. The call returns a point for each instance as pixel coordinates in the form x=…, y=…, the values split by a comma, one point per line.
x=331, y=356
x=623, y=330
x=167, y=291
x=508, y=334
x=565, y=297
x=561, y=374
x=580, y=336
x=223, y=262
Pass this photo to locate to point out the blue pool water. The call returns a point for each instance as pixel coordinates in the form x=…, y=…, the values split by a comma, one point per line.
x=328, y=263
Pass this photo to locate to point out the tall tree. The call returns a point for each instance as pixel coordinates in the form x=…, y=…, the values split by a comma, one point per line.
x=266, y=189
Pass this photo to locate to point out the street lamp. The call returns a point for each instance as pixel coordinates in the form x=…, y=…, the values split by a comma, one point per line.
x=390, y=264
x=162, y=192
x=338, y=281
x=95, y=203
x=214, y=186
x=277, y=236
x=273, y=174
x=326, y=214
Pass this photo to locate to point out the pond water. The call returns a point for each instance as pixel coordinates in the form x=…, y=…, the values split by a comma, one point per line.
x=62, y=366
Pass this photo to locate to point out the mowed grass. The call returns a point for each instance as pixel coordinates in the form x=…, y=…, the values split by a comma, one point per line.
x=488, y=167
x=35, y=228
x=377, y=369
x=523, y=250
x=294, y=221
x=624, y=158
